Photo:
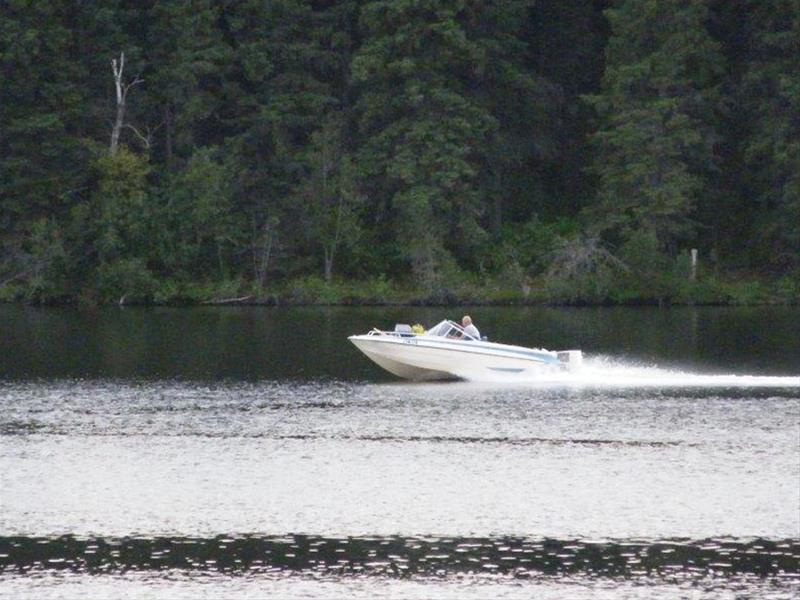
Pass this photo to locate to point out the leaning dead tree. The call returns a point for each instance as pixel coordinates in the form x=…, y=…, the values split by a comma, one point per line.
x=575, y=258
x=123, y=88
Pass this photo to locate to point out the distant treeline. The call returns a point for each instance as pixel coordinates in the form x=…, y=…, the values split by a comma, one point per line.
x=431, y=150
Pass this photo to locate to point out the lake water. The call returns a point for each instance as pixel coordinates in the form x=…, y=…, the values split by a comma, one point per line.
x=240, y=452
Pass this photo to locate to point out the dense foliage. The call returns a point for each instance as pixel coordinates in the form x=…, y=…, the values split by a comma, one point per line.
x=399, y=149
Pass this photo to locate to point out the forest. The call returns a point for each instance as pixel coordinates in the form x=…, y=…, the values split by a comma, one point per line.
x=401, y=151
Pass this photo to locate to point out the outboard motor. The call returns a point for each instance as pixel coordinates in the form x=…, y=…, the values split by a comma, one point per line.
x=570, y=359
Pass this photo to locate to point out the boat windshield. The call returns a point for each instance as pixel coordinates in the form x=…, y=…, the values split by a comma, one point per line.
x=449, y=329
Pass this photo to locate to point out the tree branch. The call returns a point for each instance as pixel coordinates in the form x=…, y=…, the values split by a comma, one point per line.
x=19, y=275
x=228, y=300
x=136, y=81
x=147, y=140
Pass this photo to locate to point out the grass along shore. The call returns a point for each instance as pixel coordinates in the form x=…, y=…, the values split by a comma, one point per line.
x=312, y=290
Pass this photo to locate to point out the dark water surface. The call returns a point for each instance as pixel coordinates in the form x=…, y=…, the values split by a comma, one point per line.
x=247, y=452
x=309, y=343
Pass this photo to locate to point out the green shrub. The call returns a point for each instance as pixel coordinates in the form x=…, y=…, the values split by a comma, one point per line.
x=707, y=289
x=125, y=280
x=170, y=291
x=378, y=290
x=787, y=289
x=11, y=292
x=591, y=288
x=581, y=270
x=748, y=292
x=313, y=289
x=525, y=249
x=647, y=273
x=497, y=293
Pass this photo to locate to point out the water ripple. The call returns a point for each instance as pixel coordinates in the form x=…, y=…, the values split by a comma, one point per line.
x=401, y=556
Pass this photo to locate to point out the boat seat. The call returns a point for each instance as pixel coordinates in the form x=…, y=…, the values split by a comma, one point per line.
x=403, y=330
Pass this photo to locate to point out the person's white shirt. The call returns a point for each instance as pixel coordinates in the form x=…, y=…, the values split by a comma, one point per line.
x=472, y=331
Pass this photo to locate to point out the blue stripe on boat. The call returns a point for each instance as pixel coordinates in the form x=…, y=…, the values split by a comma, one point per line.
x=460, y=345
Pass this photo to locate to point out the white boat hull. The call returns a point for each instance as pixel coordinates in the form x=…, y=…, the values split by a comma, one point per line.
x=421, y=358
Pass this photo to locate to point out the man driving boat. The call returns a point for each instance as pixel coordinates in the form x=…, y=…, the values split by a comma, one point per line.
x=469, y=328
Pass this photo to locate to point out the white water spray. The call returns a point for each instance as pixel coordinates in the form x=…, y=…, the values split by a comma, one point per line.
x=608, y=371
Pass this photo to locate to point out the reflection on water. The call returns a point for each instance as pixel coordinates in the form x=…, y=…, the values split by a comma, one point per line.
x=406, y=567
x=407, y=556
x=256, y=343
x=191, y=585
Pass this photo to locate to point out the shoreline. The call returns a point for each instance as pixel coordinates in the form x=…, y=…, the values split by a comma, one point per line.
x=710, y=290
x=368, y=303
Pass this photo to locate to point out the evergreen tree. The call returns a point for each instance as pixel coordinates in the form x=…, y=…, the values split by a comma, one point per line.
x=770, y=98
x=55, y=102
x=525, y=105
x=186, y=54
x=197, y=230
x=42, y=158
x=430, y=77
x=328, y=197
x=566, y=43
x=424, y=140
x=274, y=97
x=120, y=225
x=655, y=143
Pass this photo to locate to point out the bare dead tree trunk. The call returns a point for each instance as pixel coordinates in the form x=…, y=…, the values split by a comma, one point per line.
x=328, y=265
x=117, y=128
x=329, y=246
x=122, y=90
x=330, y=249
x=263, y=263
x=262, y=252
x=497, y=204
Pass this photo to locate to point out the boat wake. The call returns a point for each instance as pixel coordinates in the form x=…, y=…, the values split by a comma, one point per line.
x=608, y=371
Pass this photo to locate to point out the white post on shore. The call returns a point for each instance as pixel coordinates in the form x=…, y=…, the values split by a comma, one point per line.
x=693, y=273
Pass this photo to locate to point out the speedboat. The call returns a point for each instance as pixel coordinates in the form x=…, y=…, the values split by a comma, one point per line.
x=446, y=351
